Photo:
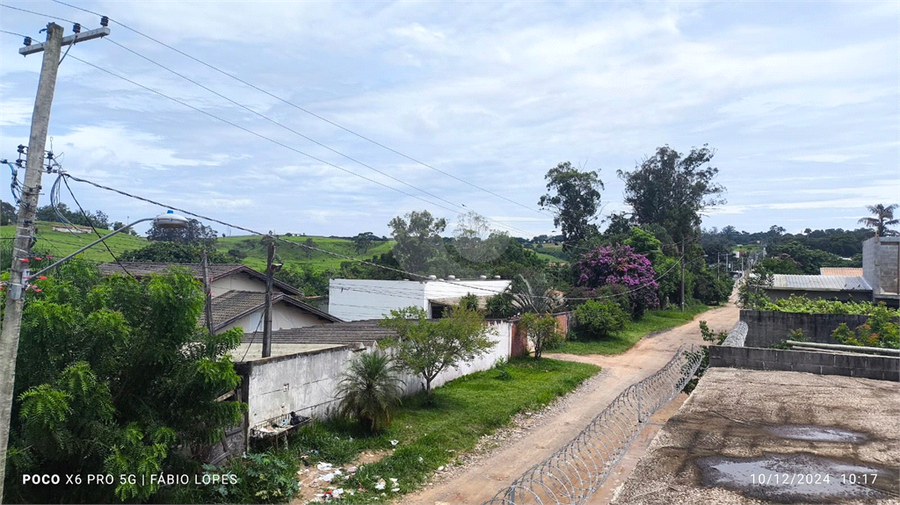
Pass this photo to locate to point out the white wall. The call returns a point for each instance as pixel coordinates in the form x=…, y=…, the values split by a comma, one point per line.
x=307, y=383
x=353, y=300
x=304, y=383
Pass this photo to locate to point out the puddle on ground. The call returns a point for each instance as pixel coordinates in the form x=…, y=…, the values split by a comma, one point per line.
x=816, y=433
x=789, y=478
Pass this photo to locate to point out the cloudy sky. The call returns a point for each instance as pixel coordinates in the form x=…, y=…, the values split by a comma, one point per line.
x=471, y=104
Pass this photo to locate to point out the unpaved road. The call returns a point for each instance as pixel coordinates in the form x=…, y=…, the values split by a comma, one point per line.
x=481, y=480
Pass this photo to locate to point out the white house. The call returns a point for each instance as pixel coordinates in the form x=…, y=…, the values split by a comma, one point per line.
x=357, y=299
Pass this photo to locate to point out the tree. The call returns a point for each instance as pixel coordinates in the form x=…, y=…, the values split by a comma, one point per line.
x=536, y=295
x=195, y=233
x=474, y=240
x=370, y=390
x=620, y=265
x=8, y=213
x=363, y=241
x=115, y=377
x=427, y=347
x=542, y=330
x=575, y=201
x=884, y=217
x=670, y=190
x=419, y=248
x=752, y=290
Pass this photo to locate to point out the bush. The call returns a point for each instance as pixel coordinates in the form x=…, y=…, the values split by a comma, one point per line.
x=880, y=330
x=598, y=320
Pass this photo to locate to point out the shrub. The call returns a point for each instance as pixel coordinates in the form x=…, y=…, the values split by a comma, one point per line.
x=880, y=330
x=370, y=390
x=542, y=331
x=597, y=320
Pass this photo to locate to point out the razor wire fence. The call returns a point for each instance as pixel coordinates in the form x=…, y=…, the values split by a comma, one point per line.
x=574, y=472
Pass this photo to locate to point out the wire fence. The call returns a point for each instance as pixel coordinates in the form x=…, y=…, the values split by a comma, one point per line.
x=574, y=472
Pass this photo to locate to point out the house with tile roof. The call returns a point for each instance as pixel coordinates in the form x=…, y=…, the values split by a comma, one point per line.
x=238, y=296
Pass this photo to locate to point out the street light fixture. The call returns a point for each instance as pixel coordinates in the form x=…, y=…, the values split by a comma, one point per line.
x=169, y=220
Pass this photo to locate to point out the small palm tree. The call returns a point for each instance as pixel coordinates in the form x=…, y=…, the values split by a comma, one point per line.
x=884, y=217
x=370, y=390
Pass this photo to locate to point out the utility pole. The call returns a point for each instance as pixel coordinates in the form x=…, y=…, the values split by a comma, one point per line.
x=40, y=123
x=682, y=278
x=267, y=322
x=204, y=265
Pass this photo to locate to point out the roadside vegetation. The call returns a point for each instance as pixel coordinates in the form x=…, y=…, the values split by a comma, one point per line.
x=428, y=434
x=651, y=322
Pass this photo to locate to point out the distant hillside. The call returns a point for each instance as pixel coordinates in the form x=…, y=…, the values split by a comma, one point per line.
x=60, y=244
x=255, y=251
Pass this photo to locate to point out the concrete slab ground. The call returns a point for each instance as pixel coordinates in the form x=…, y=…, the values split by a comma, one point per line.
x=752, y=437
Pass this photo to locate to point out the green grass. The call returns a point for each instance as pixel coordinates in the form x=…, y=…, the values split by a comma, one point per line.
x=297, y=255
x=431, y=435
x=60, y=244
x=656, y=320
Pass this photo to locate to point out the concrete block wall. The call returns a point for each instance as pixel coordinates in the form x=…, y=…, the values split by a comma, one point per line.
x=766, y=328
x=855, y=365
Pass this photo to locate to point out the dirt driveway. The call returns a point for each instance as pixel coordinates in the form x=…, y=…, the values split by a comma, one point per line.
x=480, y=480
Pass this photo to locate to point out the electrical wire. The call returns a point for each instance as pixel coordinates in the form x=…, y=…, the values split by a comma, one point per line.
x=462, y=208
x=37, y=13
x=86, y=217
x=259, y=135
x=12, y=33
x=306, y=111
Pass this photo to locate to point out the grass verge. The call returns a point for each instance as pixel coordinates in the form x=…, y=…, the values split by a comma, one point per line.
x=432, y=434
x=656, y=320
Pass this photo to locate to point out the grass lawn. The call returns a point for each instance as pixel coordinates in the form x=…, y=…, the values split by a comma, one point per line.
x=656, y=320
x=433, y=435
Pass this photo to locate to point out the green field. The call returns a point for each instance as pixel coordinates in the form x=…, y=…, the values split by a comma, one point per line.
x=60, y=244
x=298, y=255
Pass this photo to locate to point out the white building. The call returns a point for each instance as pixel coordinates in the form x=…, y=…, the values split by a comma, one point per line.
x=357, y=299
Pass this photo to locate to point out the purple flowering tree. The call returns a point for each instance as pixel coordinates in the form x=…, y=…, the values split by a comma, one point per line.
x=619, y=265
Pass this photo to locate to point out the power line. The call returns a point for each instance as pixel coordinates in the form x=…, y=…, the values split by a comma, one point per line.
x=276, y=142
x=36, y=13
x=306, y=111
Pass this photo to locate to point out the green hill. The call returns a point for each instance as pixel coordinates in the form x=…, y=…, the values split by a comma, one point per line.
x=62, y=243
x=298, y=255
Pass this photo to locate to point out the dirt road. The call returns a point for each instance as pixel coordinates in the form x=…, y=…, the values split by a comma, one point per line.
x=482, y=479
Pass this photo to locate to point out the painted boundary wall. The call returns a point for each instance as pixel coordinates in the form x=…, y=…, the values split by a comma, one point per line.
x=850, y=365
x=766, y=328
x=307, y=383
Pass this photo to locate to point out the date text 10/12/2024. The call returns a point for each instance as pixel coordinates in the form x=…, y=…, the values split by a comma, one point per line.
x=162, y=479
x=793, y=479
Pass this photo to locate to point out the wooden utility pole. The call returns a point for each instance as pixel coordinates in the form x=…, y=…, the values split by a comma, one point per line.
x=204, y=265
x=267, y=322
x=12, y=317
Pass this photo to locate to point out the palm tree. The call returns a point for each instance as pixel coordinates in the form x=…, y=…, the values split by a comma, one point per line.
x=370, y=390
x=884, y=217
